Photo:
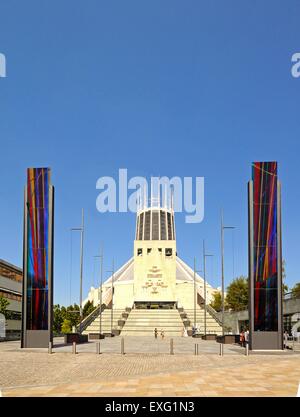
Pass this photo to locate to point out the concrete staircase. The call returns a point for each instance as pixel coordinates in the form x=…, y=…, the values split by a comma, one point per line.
x=119, y=316
x=142, y=322
x=212, y=325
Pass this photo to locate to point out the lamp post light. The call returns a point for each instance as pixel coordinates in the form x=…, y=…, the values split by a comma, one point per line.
x=112, y=295
x=81, y=230
x=100, y=289
x=205, y=255
x=222, y=265
x=195, y=293
x=100, y=298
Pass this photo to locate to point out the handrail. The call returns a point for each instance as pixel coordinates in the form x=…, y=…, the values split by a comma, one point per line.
x=213, y=313
x=209, y=309
x=88, y=320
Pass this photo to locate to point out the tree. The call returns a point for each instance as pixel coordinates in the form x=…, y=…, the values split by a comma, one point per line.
x=285, y=288
x=66, y=326
x=296, y=290
x=4, y=303
x=72, y=313
x=58, y=318
x=237, y=294
x=217, y=301
x=88, y=308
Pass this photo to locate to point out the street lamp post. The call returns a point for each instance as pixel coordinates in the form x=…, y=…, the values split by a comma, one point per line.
x=205, y=255
x=112, y=295
x=101, y=279
x=195, y=293
x=100, y=289
x=81, y=230
x=222, y=264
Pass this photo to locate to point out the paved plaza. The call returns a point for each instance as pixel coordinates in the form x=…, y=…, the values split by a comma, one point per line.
x=146, y=369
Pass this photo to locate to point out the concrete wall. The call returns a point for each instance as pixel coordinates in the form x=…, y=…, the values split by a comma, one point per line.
x=154, y=273
x=123, y=295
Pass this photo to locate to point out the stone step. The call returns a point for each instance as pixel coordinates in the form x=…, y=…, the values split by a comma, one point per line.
x=143, y=322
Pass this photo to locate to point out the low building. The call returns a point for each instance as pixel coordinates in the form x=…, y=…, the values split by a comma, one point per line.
x=11, y=278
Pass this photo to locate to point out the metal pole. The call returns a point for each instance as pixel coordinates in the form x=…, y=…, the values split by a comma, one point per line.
x=74, y=348
x=194, y=294
x=222, y=258
x=171, y=346
x=98, y=348
x=221, y=349
x=122, y=346
x=204, y=276
x=50, y=348
x=81, y=269
x=101, y=276
x=112, y=297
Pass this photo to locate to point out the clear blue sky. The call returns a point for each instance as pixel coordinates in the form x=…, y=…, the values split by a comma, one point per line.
x=169, y=87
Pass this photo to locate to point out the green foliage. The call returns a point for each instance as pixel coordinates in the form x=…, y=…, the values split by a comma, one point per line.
x=88, y=309
x=66, y=326
x=4, y=303
x=70, y=314
x=285, y=288
x=296, y=290
x=216, y=303
x=237, y=294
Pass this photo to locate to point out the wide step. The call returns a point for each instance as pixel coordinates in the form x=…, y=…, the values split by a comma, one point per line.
x=142, y=322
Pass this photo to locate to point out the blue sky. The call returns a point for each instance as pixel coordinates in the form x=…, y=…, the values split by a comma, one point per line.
x=160, y=88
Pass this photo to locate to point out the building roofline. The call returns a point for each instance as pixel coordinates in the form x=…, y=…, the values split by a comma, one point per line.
x=11, y=266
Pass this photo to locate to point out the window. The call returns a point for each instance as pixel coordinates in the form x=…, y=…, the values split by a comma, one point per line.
x=147, y=226
x=160, y=250
x=169, y=226
x=163, y=233
x=140, y=252
x=168, y=251
x=141, y=225
x=149, y=250
x=155, y=226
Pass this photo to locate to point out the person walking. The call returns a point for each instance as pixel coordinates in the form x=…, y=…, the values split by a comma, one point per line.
x=155, y=333
x=246, y=336
x=242, y=338
x=162, y=333
x=285, y=339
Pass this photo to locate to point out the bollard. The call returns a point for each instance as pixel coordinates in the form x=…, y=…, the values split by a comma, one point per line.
x=221, y=349
x=195, y=349
x=50, y=348
x=74, y=348
x=98, y=348
x=122, y=346
x=247, y=349
x=171, y=347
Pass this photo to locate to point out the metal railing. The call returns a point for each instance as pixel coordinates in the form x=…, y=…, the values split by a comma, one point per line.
x=213, y=313
x=90, y=318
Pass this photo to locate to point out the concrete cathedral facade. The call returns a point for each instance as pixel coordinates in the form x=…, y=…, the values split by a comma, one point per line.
x=155, y=277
